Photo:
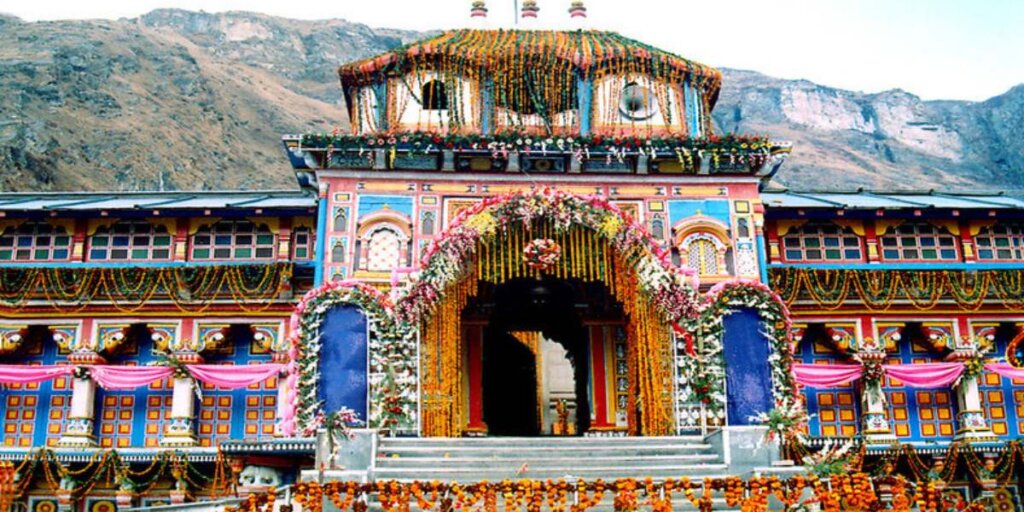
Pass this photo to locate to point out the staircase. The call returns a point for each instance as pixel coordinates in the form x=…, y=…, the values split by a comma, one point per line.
x=500, y=458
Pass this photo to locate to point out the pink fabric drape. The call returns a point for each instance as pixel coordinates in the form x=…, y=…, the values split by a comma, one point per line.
x=233, y=377
x=826, y=375
x=925, y=375
x=26, y=374
x=128, y=377
x=1006, y=370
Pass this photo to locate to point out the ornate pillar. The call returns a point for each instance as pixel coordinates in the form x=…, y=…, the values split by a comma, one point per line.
x=80, y=424
x=79, y=427
x=180, y=432
x=971, y=422
x=876, y=426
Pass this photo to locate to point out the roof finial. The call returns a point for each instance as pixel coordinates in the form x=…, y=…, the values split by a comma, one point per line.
x=478, y=13
x=529, y=12
x=577, y=13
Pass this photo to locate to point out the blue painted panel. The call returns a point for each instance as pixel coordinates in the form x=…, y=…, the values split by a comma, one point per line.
x=373, y=203
x=343, y=359
x=714, y=208
x=585, y=88
x=747, y=375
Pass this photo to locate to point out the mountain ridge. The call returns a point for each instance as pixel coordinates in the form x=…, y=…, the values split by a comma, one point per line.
x=184, y=100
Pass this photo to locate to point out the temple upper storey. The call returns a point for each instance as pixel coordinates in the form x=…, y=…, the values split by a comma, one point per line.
x=541, y=82
x=532, y=101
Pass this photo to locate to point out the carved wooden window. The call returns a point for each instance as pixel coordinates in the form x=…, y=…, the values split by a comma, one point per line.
x=918, y=241
x=1001, y=242
x=822, y=242
x=234, y=240
x=702, y=256
x=302, y=244
x=35, y=241
x=130, y=240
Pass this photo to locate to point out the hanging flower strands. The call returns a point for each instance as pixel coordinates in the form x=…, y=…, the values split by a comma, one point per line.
x=881, y=290
x=534, y=73
x=449, y=255
x=252, y=288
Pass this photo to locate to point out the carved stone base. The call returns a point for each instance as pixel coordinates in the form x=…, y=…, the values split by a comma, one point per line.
x=125, y=499
x=179, y=434
x=973, y=427
x=179, y=497
x=78, y=434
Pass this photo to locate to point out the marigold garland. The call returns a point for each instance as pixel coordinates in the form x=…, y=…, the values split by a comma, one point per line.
x=192, y=289
x=880, y=290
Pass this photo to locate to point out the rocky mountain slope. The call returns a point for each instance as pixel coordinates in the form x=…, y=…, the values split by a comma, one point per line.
x=186, y=100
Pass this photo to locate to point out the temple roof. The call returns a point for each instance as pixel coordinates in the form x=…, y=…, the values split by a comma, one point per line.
x=511, y=53
x=865, y=199
x=79, y=201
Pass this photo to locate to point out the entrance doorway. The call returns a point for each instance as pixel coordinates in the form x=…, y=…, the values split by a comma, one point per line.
x=536, y=369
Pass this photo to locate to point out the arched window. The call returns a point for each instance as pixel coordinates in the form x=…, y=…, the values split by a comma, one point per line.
x=1001, y=242
x=130, y=240
x=230, y=240
x=427, y=227
x=704, y=253
x=658, y=227
x=338, y=252
x=35, y=241
x=302, y=244
x=340, y=220
x=919, y=241
x=822, y=241
x=384, y=250
x=434, y=96
x=743, y=228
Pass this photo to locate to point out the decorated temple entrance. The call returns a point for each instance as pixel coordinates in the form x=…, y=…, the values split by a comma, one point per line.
x=529, y=367
x=546, y=332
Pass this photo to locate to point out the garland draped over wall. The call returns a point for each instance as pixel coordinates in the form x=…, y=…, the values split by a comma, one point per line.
x=107, y=466
x=252, y=288
x=880, y=290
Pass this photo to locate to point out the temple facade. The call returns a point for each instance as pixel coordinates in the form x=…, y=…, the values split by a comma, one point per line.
x=525, y=241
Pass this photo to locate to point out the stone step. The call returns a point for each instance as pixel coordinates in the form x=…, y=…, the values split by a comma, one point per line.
x=590, y=472
x=540, y=441
x=389, y=452
x=552, y=460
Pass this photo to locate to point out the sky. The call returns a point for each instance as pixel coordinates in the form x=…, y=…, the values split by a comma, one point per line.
x=937, y=49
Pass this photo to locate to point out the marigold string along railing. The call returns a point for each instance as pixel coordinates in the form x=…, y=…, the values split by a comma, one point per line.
x=189, y=288
x=43, y=469
x=850, y=492
x=880, y=290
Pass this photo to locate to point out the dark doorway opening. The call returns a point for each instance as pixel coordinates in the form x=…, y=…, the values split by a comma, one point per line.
x=510, y=380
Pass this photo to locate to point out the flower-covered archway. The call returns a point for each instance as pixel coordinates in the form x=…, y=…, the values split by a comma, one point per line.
x=446, y=258
x=601, y=244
